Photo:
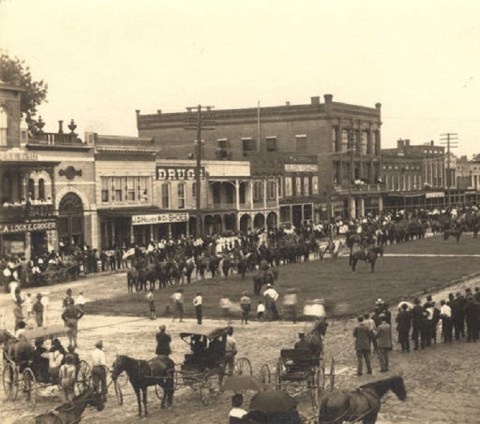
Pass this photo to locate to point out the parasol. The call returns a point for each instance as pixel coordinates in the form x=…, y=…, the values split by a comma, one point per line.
x=242, y=383
x=273, y=401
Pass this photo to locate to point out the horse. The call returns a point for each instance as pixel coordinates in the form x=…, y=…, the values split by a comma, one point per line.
x=19, y=350
x=132, y=279
x=362, y=404
x=141, y=374
x=368, y=254
x=68, y=412
x=456, y=232
x=264, y=277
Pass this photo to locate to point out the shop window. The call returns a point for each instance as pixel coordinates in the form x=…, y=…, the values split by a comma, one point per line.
x=165, y=196
x=181, y=195
x=41, y=189
x=3, y=127
x=288, y=186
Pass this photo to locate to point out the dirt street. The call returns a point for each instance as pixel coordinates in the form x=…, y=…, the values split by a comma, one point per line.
x=442, y=382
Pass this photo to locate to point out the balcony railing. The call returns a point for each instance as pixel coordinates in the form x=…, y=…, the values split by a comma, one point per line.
x=360, y=188
x=56, y=139
x=22, y=212
x=243, y=206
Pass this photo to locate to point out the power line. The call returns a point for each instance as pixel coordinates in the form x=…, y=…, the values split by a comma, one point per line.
x=449, y=140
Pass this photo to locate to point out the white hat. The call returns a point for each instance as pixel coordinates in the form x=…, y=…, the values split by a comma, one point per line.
x=379, y=301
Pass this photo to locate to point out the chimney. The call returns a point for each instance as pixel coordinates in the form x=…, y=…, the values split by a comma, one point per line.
x=432, y=142
x=378, y=106
x=159, y=111
x=315, y=100
x=400, y=144
x=137, y=112
x=407, y=142
x=60, y=127
x=328, y=98
x=287, y=103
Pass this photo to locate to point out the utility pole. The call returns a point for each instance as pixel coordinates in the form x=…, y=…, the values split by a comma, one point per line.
x=199, y=118
x=449, y=140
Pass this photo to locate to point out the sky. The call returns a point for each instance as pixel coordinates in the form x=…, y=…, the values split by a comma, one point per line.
x=104, y=59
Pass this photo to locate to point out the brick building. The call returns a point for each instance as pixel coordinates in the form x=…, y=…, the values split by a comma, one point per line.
x=345, y=140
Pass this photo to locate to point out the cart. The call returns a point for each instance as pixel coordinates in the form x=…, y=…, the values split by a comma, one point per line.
x=20, y=376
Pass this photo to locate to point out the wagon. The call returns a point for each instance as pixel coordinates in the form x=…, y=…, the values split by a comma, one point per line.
x=298, y=372
x=204, y=368
x=21, y=376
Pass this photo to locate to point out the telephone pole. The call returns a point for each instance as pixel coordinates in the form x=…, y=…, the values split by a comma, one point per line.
x=199, y=118
x=449, y=140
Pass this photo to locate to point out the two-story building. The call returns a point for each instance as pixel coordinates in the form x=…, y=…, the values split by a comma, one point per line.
x=344, y=139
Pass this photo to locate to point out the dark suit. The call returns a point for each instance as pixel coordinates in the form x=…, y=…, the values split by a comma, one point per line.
x=163, y=344
x=363, y=341
x=403, y=328
x=419, y=326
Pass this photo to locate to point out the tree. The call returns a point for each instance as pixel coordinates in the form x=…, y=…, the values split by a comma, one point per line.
x=16, y=72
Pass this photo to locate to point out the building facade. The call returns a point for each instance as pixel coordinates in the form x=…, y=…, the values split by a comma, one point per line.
x=345, y=140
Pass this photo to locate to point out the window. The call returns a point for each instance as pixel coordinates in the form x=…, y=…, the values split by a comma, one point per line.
x=130, y=190
x=288, y=186
x=143, y=189
x=315, y=184
x=31, y=189
x=165, y=195
x=271, y=144
x=298, y=186
x=363, y=142
x=344, y=140
x=301, y=143
x=194, y=190
x=41, y=189
x=105, y=191
x=272, y=190
x=223, y=143
x=117, y=189
x=306, y=186
x=3, y=127
x=279, y=185
x=181, y=195
x=248, y=146
x=257, y=191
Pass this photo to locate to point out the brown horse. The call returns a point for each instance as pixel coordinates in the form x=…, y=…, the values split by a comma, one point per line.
x=141, y=374
x=362, y=404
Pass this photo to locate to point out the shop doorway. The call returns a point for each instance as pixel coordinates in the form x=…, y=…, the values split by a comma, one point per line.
x=70, y=220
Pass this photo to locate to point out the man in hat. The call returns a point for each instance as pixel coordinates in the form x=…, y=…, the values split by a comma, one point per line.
x=458, y=315
x=99, y=373
x=245, y=306
x=163, y=342
x=177, y=299
x=230, y=351
x=363, y=341
x=302, y=343
x=197, y=303
x=419, y=324
x=384, y=343
x=71, y=315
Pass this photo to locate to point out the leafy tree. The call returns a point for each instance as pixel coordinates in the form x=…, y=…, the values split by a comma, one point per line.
x=14, y=71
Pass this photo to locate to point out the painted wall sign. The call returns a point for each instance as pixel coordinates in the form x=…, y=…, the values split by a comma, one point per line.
x=13, y=155
x=178, y=173
x=31, y=226
x=301, y=167
x=434, y=195
x=160, y=218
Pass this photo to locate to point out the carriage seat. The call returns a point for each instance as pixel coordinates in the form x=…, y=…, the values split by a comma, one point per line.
x=297, y=362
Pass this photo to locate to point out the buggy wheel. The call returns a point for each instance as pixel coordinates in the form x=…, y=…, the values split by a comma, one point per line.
x=118, y=392
x=210, y=389
x=265, y=376
x=332, y=374
x=10, y=381
x=29, y=388
x=317, y=387
x=279, y=374
x=84, y=378
x=242, y=367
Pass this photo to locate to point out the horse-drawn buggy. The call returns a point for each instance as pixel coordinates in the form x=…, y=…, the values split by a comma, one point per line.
x=301, y=370
x=23, y=365
x=205, y=367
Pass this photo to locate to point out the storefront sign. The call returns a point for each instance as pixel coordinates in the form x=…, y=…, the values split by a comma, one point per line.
x=304, y=167
x=31, y=226
x=14, y=155
x=160, y=218
x=301, y=159
x=434, y=195
x=178, y=173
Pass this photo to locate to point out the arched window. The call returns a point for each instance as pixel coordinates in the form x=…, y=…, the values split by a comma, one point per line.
x=31, y=189
x=3, y=126
x=41, y=189
x=6, y=194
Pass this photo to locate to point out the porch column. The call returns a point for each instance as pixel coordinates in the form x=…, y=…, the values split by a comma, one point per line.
x=237, y=195
x=380, y=203
x=351, y=207
x=265, y=194
x=361, y=205
x=251, y=194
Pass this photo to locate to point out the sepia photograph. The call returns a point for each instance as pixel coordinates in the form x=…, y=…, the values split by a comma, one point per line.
x=225, y=212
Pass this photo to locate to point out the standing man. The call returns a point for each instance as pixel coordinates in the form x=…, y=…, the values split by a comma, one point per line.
x=363, y=340
x=384, y=343
x=197, y=303
x=99, y=373
x=38, y=309
x=403, y=327
x=18, y=315
x=271, y=297
x=246, y=306
x=177, y=299
x=458, y=315
x=71, y=316
x=230, y=351
x=446, y=317
x=163, y=342
x=418, y=324
x=151, y=304
x=67, y=298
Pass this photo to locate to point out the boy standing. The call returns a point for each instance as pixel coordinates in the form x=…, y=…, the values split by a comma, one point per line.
x=151, y=304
